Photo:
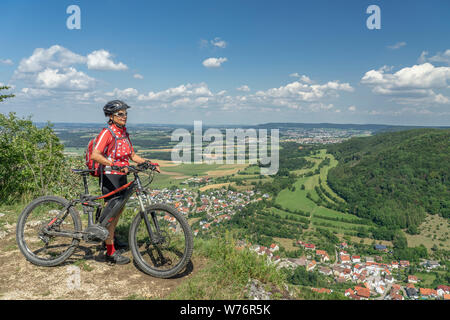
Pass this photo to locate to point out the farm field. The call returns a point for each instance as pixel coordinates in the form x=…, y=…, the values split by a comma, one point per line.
x=434, y=230
x=298, y=200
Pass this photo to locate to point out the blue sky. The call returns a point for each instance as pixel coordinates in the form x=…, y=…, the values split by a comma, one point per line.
x=229, y=62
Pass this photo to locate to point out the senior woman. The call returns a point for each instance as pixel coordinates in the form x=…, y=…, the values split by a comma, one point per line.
x=109, y=153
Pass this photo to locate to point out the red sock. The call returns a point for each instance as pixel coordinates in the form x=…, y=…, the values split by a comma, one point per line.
x=110, y=249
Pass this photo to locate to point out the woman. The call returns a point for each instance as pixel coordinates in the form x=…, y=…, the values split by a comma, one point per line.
x=113, y=151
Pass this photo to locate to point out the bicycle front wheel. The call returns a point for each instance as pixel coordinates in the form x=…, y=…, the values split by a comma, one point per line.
x=35, y=243
x=170, y=248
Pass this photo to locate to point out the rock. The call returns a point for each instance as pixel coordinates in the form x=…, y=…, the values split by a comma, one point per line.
x=3, y=234
x=255, y=290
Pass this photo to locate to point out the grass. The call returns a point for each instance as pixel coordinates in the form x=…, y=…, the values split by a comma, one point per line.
x=433, y=225
x=228, y=272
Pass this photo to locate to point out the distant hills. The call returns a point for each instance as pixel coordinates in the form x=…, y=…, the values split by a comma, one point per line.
x=394, y=178
x=271, y=125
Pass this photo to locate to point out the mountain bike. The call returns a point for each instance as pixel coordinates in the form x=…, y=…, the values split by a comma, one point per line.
x=49, y=229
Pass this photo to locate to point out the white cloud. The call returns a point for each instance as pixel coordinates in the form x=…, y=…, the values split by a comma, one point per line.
x=416, y=84
x=304, y=92
x=217, y=42
x=124, y=94
x=302, y=78
x=214, y=62
x=67, y=78
x=182, y=91
x=352, y=108
x=138, y=76
x=440, y=57
x=101, y=60
x=398, y=45
x=6, y=61
x=243, y=88
x=53, y=57
x=34, y=93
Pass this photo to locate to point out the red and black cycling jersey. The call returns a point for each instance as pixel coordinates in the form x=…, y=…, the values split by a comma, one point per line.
x=121, y=156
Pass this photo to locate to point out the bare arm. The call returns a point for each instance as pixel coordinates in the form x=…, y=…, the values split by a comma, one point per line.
x=98, y=157
x=134, y=157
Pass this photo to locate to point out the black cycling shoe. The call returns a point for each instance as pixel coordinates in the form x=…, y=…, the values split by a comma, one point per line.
x=117, y=244
x=117, y=258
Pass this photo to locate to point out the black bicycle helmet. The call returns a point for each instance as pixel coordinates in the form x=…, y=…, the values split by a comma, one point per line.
x=113, y=106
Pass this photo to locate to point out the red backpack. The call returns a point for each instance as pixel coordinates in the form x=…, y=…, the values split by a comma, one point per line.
x=93, y=165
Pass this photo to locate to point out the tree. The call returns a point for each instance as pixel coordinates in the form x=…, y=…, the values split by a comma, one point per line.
x=31, y=161
x=5, y=96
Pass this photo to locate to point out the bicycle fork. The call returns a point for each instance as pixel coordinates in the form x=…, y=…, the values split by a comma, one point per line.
x=155, y=238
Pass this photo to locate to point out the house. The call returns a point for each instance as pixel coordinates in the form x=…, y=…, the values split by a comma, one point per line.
x=300, y=261
x=432, y=264
x=356, y=259
x=338, y=271
x=344, y=258
x=396, y=287
x=428, y=293
x=362, y=292
x=441, y=290
x=446, y=296
x=379, y=289
x=389, y=279
x=395, y=296
x=325, y=270
x=276, y=259
x=343, y=245
x=394, y=265
x=274, y=247
x=370, y=259
x=380, y=247
x=349, y=292
x=311, y=266
x=412, y=293
x=309, y=246
x=323, y=255
x=412, y=279
x=404, y=263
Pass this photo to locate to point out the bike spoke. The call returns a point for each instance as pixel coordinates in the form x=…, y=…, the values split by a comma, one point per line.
x=38, y=242
x=167, y=247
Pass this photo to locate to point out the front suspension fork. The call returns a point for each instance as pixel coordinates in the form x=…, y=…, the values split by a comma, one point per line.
x=155, y=238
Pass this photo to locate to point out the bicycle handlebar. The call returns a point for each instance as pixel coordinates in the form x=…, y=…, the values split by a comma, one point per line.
x=139, y=168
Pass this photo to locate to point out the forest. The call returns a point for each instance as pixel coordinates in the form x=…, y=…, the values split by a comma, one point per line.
x=394, y=178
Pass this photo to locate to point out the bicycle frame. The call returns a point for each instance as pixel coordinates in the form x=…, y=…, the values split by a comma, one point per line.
x=115, y=205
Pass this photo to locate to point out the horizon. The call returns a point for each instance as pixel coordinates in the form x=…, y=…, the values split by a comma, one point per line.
x=258, y=124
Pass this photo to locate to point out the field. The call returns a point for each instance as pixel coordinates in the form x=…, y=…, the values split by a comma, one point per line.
x=298, y=200
x=433, y=231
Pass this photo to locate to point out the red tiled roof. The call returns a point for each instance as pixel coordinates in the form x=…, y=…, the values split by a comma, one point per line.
x=363, y=292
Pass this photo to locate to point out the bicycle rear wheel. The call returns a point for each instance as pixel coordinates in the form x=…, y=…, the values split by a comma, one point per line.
x=35, y=243
x=168, y=256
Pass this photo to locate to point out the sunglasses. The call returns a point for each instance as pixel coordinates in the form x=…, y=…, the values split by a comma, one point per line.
x=121, y=114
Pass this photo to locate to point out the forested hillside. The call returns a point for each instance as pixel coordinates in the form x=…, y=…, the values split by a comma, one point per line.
x=395, y=178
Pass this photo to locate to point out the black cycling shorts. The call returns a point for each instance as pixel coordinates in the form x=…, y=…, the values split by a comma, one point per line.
x=111, y=182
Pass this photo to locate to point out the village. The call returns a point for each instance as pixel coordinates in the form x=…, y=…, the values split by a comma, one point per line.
x=212, y=207
x=372, y=279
